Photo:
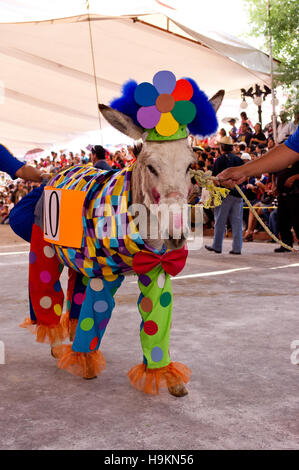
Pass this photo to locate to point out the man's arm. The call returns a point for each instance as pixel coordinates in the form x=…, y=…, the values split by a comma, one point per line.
x=17, y=169
x=30, y=173
x=276, y=159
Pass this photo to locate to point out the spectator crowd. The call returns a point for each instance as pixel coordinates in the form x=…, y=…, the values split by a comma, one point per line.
x=247, y=141
x=13, y=191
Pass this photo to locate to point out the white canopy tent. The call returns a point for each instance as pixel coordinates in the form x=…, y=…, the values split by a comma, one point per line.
x=46, y=62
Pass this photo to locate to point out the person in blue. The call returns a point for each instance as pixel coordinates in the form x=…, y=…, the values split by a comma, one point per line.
x=234, y=131
x=21, y=217
x=231, y=207
x=276, y=159
x=98, y=158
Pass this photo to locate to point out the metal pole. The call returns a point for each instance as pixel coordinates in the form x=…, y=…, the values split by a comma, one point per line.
x=259, y=110
x=274, y=117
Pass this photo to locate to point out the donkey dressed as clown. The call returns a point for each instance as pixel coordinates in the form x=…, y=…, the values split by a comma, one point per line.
x=83, y=222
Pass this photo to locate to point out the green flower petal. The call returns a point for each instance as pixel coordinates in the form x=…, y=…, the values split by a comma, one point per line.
x=184, y=111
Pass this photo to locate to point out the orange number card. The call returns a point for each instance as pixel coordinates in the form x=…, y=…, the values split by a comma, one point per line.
x=63, y=209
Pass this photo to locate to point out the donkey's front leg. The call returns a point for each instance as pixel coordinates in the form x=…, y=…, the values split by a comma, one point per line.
x=157, y=370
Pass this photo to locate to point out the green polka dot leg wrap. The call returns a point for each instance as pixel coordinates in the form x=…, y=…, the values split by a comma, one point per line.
x=155, y=307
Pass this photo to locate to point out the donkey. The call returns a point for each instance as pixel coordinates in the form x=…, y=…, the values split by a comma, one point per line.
x=159, y=177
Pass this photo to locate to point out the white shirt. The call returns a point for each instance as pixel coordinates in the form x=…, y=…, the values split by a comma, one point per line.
x=284, y=131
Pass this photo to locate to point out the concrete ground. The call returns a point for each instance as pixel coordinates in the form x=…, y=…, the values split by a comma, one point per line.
x=233, y=324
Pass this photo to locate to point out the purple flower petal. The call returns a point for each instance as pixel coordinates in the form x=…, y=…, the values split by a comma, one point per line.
x=148, y=117
x=164, y=82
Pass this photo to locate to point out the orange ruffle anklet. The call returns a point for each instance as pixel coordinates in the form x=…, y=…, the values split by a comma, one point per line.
x=46, y=334
x=86, y=365
x=151, y=380
x=69, y=324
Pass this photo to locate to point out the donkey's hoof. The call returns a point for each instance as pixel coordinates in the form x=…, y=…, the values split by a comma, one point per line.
x=178, y=390
x=53, y=354
x=58, y=342
x=89, y=372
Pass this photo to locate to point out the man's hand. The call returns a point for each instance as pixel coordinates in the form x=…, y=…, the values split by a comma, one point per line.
x=228, y=184
x=29, y=173
x=232, y=176
x=46, y=176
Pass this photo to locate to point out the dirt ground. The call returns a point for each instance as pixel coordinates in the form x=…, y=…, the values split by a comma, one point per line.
x=234, y=320
x=8, y=237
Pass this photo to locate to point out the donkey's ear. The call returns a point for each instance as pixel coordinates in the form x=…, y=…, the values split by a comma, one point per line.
x=216, y=100
x=121, y=122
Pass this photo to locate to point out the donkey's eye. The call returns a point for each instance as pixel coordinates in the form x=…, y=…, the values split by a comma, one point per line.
x=152, y=170
x=189, y=168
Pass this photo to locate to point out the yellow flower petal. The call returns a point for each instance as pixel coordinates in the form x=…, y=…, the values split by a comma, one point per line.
x=167, y=125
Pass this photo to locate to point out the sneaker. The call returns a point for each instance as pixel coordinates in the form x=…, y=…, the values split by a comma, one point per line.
x=210, y=248
x=281, y=249
x=234, y=252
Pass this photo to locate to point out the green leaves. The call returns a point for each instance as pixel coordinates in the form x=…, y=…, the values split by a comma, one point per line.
x=284, y=27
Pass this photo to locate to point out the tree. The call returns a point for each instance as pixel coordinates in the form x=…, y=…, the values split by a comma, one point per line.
x=284, y=28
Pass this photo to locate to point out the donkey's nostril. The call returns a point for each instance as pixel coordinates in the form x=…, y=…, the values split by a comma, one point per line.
x=177, y=242
x=156, y=195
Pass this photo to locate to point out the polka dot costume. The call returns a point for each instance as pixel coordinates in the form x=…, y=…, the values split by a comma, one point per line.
x=155, y=307
x=46, y=295
x=90, y=301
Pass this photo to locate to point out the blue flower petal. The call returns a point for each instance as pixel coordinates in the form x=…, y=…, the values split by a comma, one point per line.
x=146, y=94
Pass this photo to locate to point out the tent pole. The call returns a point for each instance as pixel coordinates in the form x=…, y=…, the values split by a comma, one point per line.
x=274, y=117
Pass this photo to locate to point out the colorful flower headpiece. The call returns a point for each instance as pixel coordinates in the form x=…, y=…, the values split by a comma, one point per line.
x=166, y=108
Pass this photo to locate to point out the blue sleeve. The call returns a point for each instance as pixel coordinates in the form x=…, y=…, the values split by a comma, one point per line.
x=293, y=141
x=8, y=162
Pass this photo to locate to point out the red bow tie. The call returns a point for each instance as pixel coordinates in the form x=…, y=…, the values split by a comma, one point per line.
x=172, y=262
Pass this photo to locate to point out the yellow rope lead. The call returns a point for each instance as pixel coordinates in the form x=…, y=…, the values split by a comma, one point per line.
x=206, y=180
x=261, y=221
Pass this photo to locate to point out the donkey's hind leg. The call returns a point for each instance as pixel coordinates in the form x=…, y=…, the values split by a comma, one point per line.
x=46, y=295
x=84, y=358
x=76, y=289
